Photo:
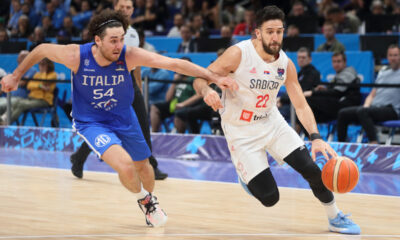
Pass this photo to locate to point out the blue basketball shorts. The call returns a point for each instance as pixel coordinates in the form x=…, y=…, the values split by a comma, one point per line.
x=100, y=137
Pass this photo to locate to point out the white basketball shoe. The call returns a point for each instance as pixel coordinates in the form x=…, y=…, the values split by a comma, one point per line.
x=155, y=216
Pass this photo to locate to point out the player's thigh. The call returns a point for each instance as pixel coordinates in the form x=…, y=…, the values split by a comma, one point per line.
x=134, y=143
x=285, y=141
x=106, y=144
x=249, y=164
x=98, y=137
x=248, y=153
x=118, y=158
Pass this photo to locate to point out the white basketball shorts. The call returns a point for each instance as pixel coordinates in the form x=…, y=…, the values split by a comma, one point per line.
x=248, y=144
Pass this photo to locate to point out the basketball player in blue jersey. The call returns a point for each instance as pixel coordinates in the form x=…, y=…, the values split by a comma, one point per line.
x=131, y=39
x=253, y=125
x=102, y=94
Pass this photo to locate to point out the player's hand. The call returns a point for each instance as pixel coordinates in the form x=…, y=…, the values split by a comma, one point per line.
x=212, y=99
x=319, y=145
x=9, y=83
x=226, y=83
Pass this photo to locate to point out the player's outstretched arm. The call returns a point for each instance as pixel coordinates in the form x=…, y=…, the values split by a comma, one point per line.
x=140, y=57
x=305, y=114
x=227, y=63
x=67, y=55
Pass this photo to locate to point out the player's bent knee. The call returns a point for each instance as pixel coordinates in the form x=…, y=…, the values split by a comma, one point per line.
x=263, y=187
x=269, y=199
x=139, y=165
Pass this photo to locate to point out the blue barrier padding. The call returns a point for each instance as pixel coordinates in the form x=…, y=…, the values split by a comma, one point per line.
x=368, y=157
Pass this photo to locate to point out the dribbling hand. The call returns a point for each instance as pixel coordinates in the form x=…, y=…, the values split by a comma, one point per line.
x=319, y=145
x=9, y=83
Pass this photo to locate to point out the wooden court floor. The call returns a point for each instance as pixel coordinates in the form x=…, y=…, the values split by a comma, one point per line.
x=44, y=203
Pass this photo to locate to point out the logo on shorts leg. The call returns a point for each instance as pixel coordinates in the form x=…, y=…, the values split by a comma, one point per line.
x=102, y=140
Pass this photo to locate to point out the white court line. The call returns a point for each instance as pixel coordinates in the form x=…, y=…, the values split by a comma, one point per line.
x=201, y=235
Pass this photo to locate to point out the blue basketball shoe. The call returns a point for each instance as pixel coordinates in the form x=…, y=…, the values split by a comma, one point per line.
x=342, y=224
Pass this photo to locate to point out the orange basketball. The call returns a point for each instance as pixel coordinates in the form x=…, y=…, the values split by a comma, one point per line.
x=340, y=174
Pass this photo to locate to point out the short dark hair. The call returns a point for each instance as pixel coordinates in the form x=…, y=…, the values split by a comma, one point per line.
x=341, y=53
x=269, y=13
x=393, y=46
x=116, y=1
x=106, y=19
x=306, y=50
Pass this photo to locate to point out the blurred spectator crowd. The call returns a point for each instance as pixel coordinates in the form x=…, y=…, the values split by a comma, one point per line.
x=66, y=19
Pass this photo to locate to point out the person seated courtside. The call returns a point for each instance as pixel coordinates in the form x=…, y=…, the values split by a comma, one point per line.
x=327, y=101
x=178, y=97
x=41, y=92
x=382, y=104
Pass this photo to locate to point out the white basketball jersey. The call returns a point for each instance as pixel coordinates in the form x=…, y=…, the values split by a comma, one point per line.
x=131, y=37
x=259, y=83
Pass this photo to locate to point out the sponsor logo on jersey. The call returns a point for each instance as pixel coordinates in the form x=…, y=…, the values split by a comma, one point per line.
x=106, y=105
x=102, y=140
x=86, y=62
x=88, y=70
x=280, y=73
x=253, y=70
x=246, y=115
x=120, y=68
x=260, y=117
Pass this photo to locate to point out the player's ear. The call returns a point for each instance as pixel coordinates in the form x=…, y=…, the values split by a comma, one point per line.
x=97, y=40
x=258, y=33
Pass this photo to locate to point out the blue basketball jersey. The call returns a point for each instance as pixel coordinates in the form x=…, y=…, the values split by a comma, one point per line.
x=102, y=94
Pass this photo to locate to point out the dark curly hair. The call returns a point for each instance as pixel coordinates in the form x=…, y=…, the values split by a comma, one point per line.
x=106, y=19
x=269, y=13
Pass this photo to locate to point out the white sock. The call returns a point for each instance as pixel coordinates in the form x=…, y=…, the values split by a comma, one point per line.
x=142, y=194
x=331, y=209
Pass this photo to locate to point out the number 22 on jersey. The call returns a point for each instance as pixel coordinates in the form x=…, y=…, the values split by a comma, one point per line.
x=262, y=101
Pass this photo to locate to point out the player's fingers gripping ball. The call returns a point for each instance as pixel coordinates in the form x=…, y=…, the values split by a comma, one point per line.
x=340, y=174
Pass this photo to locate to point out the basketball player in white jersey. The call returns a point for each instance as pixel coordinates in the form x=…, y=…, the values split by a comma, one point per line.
x=253, y=125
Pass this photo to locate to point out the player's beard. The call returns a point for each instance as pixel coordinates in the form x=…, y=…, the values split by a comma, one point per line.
x=270, y=50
